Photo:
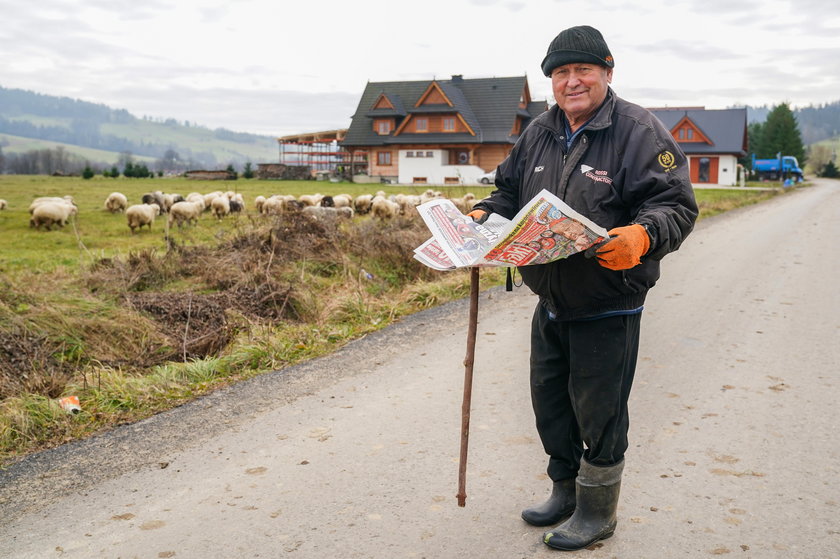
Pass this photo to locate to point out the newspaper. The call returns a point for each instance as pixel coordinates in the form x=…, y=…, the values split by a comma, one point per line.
x=546, y=229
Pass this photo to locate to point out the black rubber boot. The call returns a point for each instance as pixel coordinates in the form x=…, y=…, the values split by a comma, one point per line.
x=594, y=517
x=559, y=505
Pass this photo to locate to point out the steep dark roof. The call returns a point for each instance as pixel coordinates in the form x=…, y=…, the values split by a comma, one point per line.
x=488, y=105
x=726, y=128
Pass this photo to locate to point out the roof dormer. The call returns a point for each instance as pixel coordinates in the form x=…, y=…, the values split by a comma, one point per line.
x=686, y=131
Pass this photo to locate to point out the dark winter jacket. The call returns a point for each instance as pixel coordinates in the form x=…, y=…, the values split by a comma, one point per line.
x=624, y=167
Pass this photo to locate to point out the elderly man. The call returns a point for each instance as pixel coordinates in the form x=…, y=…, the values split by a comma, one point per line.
x=614, y=162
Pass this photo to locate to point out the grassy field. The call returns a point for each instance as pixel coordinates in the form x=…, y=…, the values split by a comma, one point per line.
x=96, y=233
x=135, y=324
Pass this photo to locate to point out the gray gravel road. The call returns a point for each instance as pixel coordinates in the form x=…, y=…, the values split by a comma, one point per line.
x=734, y=451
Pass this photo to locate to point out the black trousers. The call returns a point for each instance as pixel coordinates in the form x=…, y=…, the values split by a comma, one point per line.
x=581, y=375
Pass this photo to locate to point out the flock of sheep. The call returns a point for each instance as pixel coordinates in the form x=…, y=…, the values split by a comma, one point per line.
x=53, y=211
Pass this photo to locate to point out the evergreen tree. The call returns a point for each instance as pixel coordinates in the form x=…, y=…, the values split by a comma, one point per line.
x=115, y=173
x=232, y=171
x=829, y=170
x=780, y=134
x=87, y=173
x=755, y=139
x=248, y=172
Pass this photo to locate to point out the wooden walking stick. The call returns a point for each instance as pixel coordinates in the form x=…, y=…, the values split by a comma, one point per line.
x=468, y=376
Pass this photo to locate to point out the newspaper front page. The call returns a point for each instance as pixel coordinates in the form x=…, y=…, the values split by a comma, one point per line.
x=544, y=230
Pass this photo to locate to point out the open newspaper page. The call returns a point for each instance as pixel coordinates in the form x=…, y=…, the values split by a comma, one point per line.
x=546, y=229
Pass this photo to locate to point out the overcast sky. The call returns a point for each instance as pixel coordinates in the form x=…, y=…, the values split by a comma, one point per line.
x=283, y=67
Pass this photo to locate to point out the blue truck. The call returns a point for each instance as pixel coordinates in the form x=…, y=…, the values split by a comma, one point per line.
x=779, y=168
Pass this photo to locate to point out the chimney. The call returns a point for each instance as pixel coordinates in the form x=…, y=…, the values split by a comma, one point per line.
x=457, y=78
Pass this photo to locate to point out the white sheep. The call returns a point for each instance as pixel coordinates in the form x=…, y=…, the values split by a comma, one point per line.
x=51, y=213
x=3, y=204
x=362, y=203
x=116, y=202
x=169, y=199
x=277, y=204
x=407, y=203
x=383, y=208
x=259, y=201
x=430, y=194
x=197, y=198
x=37, y=201
x=220, y=206
x=465, y=203
x=184, y=211
x=210, y=196
x=343, y=201
x=139, y=215
x=310, y=199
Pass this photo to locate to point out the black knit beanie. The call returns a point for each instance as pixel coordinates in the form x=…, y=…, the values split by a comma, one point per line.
x=577, y=44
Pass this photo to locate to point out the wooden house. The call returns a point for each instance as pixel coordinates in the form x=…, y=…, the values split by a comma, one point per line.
x=713, y=141
x=438, y=132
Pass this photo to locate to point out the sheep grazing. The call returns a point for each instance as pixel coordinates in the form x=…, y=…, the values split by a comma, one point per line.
x=197, y=199
x=277, y=204
x=383, y=208
x=310, y=199
x=362, y=203
x=430, y=194
x=51, y=213
x=259, y=202
x=139, y=215
x=343, y=201
x=465, y=203
x=236, y=206
x=116, y=202
x=220, y=206
x=169, y=199
x=3, y=204
x=155, y=197
x=407, y=202
x=37, y=201
x=186, y=212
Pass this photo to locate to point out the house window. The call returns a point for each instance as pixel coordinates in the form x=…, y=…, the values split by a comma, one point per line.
x=409, y=154
x=420, y=180
x=690, y=134
x=428, y=154
x=682, y=133
x=448, y=124
x=383, y=157
x=422, y=125
x=383, y=127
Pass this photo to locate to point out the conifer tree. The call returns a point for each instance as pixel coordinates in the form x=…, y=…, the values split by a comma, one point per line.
x=780, y=134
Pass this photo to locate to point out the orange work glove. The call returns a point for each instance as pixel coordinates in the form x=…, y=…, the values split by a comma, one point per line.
x=479, y=216
x=625, y=249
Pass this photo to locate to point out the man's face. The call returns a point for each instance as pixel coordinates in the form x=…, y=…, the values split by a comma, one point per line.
x=579, y=89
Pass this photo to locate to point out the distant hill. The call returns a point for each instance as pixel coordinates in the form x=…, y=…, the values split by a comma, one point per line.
x=100, y=134
x=816, y=123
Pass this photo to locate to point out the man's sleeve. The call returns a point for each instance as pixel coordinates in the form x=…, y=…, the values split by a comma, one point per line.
x=658, y=189
x=505, y=199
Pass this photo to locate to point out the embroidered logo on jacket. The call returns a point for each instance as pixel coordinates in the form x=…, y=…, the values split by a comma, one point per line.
x=667, y=160
x=594, y=174
x=538, y=169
